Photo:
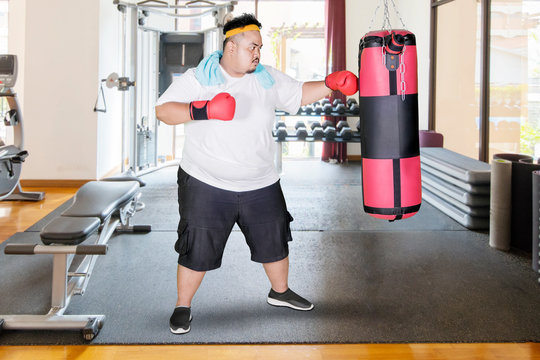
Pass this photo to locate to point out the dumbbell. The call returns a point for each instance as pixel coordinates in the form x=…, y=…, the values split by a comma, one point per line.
x=351, y=101
x=341, y=108
x=281, y=133
x=299, y=124
x=318, y=109
x=317, y=133
x=325, y=101
x=358, y=125
x=341, y=124
x=327, y=108
x=314, y=125
x=326, y=123
x=354, y=108
x=337, y=102
x=330, y=133
x=280, y=124
x=301, y=133
x=345, y=133
x=309, y=109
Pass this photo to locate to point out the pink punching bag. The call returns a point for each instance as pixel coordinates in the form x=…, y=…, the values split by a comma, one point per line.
x=388, y=89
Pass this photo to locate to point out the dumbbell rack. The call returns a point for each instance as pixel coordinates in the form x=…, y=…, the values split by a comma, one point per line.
x=315, y=132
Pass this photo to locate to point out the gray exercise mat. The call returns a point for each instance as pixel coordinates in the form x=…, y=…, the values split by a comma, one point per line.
x=424, y=279
x=462, y=217
x=477, y=189
x=454, y=192
x=373, y=286
x=459, y=166
x=500, y=220
x=481, y=211
x=522, y=219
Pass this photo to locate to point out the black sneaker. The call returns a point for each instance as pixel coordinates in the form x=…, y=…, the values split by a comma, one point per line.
x=289, y=299
x=180, y=320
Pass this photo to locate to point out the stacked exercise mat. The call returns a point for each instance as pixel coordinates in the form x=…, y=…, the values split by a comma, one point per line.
x=457, y=185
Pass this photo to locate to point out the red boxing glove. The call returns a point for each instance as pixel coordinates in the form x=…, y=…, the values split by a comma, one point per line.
x=221, y=107
x=344, y=81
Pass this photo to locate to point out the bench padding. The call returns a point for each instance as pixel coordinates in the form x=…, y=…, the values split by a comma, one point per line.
x=101, y=198
x=93, y=203
x=69, y=230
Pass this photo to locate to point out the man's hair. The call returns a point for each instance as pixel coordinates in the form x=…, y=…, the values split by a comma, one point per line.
x=238, y=22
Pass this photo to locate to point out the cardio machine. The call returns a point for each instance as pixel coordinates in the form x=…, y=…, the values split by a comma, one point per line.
x=12, y=156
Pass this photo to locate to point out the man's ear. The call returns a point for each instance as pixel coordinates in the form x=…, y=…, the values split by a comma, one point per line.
x=231, y=46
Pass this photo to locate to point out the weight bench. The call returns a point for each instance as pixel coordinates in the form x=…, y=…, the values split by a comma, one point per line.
x=98, y=206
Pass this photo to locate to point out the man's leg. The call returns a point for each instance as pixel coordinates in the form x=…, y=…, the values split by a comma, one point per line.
x=278, y=274
x=188, y=281
x=280, y=294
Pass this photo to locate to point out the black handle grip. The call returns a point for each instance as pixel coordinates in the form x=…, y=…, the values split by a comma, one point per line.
x=20, y=249
x=142, y=228
x=91, y=250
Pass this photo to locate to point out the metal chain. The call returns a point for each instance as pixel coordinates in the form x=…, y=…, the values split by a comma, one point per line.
x=398, y=14
x=386, y=15
x=374, y=16
x=402, y=74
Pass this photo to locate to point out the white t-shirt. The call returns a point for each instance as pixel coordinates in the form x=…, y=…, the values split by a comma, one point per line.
x=236, y=155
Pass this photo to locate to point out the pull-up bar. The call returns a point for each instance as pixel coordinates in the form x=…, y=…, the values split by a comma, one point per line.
x=156, y=6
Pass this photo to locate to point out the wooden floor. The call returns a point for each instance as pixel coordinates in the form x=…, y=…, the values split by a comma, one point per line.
x=17, y=216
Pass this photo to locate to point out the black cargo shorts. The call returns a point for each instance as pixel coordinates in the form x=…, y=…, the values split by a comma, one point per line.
x=208, y=214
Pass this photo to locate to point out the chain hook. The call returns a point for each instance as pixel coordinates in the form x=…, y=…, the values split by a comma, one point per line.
x=402, y=73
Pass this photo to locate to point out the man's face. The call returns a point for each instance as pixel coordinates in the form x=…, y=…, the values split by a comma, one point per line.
x=248, y=51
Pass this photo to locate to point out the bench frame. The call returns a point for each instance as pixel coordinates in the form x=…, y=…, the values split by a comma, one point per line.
x=66, y=284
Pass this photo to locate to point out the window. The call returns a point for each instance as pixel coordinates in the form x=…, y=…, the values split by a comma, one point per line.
x=514, y=114
x=293, y=38
x=514, y=89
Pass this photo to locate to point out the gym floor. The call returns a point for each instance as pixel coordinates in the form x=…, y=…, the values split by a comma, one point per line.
x=18, y=216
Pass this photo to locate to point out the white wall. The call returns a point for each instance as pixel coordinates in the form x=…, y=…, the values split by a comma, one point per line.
x=16, y=45
x=109, y=124
x=416, y=16
x=59, y=45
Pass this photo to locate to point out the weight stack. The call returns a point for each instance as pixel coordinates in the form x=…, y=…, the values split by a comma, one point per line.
x=388, y=94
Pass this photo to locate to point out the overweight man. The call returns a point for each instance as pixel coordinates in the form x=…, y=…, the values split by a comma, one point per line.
x=227, y=174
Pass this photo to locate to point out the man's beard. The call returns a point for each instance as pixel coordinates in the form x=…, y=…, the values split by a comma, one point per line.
x=255, y=68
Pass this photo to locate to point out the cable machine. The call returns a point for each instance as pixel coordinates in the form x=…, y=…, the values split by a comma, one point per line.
x=153, y=53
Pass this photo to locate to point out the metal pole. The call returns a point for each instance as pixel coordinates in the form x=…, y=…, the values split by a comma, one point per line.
x=125, y=100
x=132, y=127
x=432, y=106
x=432, y=66
x=483, y=153
x=155, y=96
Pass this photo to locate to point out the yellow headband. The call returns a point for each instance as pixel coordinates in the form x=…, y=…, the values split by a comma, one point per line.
x=232, y=32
